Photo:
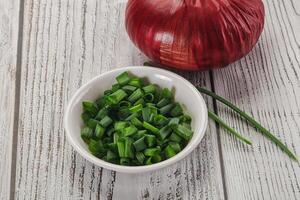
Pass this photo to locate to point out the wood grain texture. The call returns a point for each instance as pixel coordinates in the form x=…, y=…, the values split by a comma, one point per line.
x=266, y=84
x=9, y=12
x=65, y=44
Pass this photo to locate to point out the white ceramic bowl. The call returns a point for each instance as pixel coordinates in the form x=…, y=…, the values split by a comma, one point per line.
x=185, y=93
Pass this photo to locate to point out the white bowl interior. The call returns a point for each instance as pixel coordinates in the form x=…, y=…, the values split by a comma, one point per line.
x=185, y=93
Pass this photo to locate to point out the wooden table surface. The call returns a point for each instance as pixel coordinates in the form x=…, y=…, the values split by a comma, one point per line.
x=49, y=48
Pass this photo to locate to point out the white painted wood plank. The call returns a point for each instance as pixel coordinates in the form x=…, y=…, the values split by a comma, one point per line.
x=66, y=43
x=267, y=84
x=9, y=16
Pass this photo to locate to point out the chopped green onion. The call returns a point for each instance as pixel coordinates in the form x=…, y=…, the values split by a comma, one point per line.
x=140, y=101
x=166, y=93
x=149, y=89
x=86, y=116
x=135, y=121
x=124, y=161
x=130, y=117
x=111, y=156
x=156, y=158
x=149, y=97
x=140, y=145
x=136, y=108
x=135, y=95
x=121, y=147
x=139, y=134
x=90, y=107
x=120, y=125
x=128, y=148
x=106, y=121
x=150, y=140
x=163, y=102
x=150, y=127
x=130, y=130
x=164, y=132
x=164, y=110
x=96, y=148
x=169, y=151
x=102, y=113
x=160, y=120
x=115, y=87
x=176, y=146
x=151, y=152
x=123, y=78
x=175, y=138
x=137, y=82
x=92, y=123
x=99, y=131
x=146, y=113
x=183, y=132
x=140, y=157
x=117, y=96
x=124, y=104
x=86, y=133
x=148, y=161
x=129, y=89
x=173, y=122
x=176, y=111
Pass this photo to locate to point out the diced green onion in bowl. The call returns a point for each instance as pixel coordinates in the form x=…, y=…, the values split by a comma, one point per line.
x=135, y=123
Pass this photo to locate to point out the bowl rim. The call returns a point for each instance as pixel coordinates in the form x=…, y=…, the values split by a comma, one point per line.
x=136, y=169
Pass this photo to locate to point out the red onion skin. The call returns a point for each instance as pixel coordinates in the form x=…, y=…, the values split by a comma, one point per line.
x=194, y=34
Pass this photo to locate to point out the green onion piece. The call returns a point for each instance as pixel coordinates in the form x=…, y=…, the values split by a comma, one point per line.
x=128, y=148
x=106, y=121
x=130, y=117
x=107, y=140
x=149, y=97
x=140, y=145
x=120, y=125
x=228, y=128
x=99, y=131
x=183, y=132
x=140, y=101
x=86, y=133
x=175, y=138
x=140, y=157
x=139, y=134
x=186, y=125
x=136, y=122
x=135, y=95
x=111, y=146
x=107, y=92
x=156, y=158
x=149, y=89
x=110, y=131
x=151, y=151
x=86, y=116
x=185, y=119
x=163, y=102
x=123, y=78
x=111, y=155
x=148, y=161
x=150, y=127
x=129, y=89
x=166, y=93
x=131, y=130
x=137, y=82
x=121, y=147
x=124, y=104
x=101, y=102
x=136, y=108
x=150, y=140
x=176, y=111
x=96, y=148
x=117, y=96
x=116, y=138
x=92, y=123
x=115, y=87
x=123, y=113
x=124, y=161
x=169, y=151
x=160, y=120
x=176, y=146
x=146, y=113
x=252, y=121
x=164, y=110
x=90, y=107
x=102, y=113
x=164, y=132
x=173, y=122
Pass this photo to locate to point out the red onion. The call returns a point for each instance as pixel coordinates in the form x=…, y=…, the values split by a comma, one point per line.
x=195, y=34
